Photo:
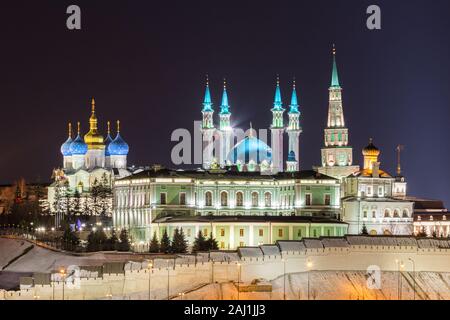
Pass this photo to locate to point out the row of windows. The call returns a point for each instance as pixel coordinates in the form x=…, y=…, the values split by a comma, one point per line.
x=286, y=200
x=388, y=213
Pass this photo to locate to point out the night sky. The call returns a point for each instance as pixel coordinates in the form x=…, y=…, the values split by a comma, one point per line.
x=145, y=64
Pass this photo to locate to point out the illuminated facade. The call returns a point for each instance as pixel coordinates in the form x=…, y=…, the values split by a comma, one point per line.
x=87, y=161
x=223, y=148
x=239, y=208
x=376, y=200
x=337, y=155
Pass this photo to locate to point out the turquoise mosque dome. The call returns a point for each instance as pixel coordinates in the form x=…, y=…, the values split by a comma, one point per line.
x=250, y=148
x=118, y=147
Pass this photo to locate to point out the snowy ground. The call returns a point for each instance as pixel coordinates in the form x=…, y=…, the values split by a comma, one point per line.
x=334, y=285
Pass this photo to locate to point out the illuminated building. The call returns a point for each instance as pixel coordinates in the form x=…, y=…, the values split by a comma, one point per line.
x=87, y=161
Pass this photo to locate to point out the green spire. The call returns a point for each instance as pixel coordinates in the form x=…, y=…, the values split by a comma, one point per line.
x=334, y=76
x=207, y=104
x=224, y=108
x=277, y=104
x=294, y=102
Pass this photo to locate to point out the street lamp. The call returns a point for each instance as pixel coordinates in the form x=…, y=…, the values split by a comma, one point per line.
x=402, y=266
x=239, y=280
x=309, y=265
x=414, y=275
x=284, y=279
x=150, y=268
x=62, y=272
x=181, y=294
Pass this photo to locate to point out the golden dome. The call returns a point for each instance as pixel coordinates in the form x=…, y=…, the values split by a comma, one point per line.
x=371, y=150
x=93, y=138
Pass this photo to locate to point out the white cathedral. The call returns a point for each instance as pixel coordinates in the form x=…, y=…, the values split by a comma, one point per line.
x=87, y=161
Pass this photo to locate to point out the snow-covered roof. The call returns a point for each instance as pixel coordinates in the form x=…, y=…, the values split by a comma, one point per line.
x=313, y=243
x=270, y=250
x=381, y=241
x=250, y=252
x=335, y=243
x=291, y=246
x=433, y=243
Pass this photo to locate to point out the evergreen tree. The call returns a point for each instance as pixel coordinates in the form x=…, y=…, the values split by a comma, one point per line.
x=364, y=231
x=179, y=243
x=69, y=239
x=199, y=243
x=154, y=244
x=92, y=243
x=211, y=243
x=113, y=241
x=422, y=233
x=124, y=244
x=165, y=243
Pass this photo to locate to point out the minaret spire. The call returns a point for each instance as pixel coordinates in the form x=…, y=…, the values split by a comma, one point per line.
x=277, y=103
x=207, y=104
x=224, y=108
x=399, y=149
x=109, y=127
x=294, y=101
x=334, y=75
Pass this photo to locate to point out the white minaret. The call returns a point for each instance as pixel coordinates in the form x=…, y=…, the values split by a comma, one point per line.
x=208, y=129
x=225, y=129
x=294, y=130
x=277, y=130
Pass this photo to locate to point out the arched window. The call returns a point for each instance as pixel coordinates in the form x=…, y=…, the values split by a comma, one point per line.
x=255, y=200
x=405, y=213
x=239, y=199
x=208, y=198
x=268, y=199
x=224, y=199
x=387, y=213
x=396, y=214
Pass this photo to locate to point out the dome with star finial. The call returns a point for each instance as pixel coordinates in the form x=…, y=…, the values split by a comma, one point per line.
x=118, y=147
x=78, y=146
x=65, y=147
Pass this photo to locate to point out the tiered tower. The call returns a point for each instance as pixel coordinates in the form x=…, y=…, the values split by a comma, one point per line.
x=294, y=130
x=337, y=155
x=277, y=130
x=208, y=128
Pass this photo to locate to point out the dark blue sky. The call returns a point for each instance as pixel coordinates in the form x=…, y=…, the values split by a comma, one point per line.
x=145, y=64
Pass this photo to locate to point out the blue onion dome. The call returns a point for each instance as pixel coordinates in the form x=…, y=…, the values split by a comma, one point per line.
x=78, y=146
x=291, y=157
x=118, y=147
x=250, y=148
x=108, y=140
x=65, y=147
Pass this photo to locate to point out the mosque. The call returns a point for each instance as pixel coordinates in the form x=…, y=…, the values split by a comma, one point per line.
x=245, y=194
